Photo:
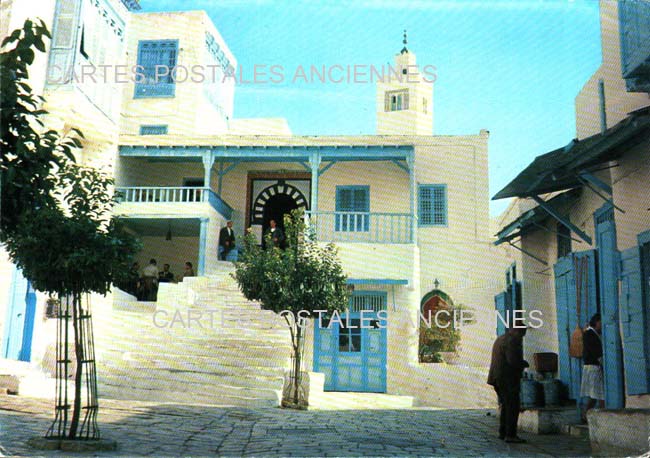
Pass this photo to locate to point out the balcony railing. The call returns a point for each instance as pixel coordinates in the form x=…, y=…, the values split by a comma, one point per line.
x=185, y=194
x=362, y=227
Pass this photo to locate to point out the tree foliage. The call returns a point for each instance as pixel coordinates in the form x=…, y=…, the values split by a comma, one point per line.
x=29, y=153
x=306, y=276
x=56, y=215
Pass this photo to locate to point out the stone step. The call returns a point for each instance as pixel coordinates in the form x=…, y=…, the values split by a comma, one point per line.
x=249, y=375
x=199, y=385
x=276, y=334
x=200, y=357
x=211, y=398
x=251, y=378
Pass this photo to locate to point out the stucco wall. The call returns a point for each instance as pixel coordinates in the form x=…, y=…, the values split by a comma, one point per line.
x=188, y=112
x=632, y=193
x=619, y=102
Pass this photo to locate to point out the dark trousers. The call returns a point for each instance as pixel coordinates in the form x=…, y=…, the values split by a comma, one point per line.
x=510, y=404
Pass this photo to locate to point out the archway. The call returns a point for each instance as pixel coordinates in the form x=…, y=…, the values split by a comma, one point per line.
x=275, y=208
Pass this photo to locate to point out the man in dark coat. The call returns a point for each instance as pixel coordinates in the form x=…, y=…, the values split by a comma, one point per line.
x=275, y=233
x=226, y=240
x=506, y=368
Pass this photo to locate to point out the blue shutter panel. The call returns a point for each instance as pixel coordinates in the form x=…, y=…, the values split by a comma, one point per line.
x=157, y=59
x=634, y=321
x=500, y=306
x=432, y=205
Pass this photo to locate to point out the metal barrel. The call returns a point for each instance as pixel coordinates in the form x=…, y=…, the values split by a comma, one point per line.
x=551, y=392
x=529, y=393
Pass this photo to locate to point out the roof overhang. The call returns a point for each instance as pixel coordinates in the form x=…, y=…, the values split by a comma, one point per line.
x=561, y=169
x=532, y=219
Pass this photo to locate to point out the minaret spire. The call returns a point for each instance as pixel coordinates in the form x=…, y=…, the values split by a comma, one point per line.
x=405, y=41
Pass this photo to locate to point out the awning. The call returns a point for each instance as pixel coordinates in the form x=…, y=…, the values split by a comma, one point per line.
x=560, y=169
x=533, y=218
x=376, y=281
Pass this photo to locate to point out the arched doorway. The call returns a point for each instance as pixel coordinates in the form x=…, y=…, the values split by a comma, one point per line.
x=275, y=201
x=275, y=208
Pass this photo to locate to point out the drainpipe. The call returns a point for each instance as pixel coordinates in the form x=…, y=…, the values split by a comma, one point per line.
x=603, y=109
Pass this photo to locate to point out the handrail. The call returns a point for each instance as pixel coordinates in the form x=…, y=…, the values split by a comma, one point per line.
x=362, y=227
x=174, y=194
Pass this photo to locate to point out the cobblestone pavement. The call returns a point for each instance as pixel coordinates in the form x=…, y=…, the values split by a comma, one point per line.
x=145, y=429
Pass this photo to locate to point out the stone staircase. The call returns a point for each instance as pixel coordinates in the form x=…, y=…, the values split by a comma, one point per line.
x=202, y=342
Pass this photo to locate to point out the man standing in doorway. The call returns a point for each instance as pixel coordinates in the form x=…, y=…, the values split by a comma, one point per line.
x=226, y=241
x=506, y=369
x=275, y=233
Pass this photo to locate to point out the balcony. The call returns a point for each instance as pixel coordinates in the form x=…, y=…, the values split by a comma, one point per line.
x=363, y=227
x=634, y=19
x=173, y=195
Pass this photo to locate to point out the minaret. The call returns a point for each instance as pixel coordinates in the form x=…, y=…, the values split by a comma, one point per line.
x=405, y=97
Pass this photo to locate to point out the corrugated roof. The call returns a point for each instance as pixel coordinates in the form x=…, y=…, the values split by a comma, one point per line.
x=558, y=170
x=530, y=219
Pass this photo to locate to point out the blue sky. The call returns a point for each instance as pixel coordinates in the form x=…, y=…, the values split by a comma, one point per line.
x=512, y=67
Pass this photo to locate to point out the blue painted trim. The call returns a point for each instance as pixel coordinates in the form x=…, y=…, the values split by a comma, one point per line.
x=269, y=153
x=596, y=182
x=644, y=237
x=28, y=325
x=401, y=166
x=551, y=211
x=433, y=187
x=220, y=205
x=203, y=243
x=376, y=281
x=326, y=168
x=305, y=165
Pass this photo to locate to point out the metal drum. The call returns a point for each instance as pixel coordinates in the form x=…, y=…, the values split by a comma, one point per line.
x=551, y=389
x=530, y=390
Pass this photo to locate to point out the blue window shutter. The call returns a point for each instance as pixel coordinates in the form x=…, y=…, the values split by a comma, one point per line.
x=565, y=303
x=432, y=205
x=634, y=321
x=353, y=199
x=156, y=63
x=500, y=306
x=159, y=129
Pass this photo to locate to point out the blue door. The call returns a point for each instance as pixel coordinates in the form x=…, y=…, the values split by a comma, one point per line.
x=576, y=302
x=635, y=319
x=350, y=349
x=19, y=323
x=608, y=259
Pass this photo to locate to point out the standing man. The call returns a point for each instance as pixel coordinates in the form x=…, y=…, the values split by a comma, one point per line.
x=150, y=280
x=506, y=368
x=226, y=240
x=275, y=233
x=592, y=385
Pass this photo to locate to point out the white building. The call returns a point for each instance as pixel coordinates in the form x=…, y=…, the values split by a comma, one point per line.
x=407, y=209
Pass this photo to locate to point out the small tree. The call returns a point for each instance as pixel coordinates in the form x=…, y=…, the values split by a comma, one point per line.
x=304, y=277
x=57, y=225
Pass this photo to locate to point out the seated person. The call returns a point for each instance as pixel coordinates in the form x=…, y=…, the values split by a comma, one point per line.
x=189, y=271
x=165, y=276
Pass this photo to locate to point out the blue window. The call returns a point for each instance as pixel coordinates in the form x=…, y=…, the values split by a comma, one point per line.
x=156, y=68
x=432, y=204
x=158, y=129
x=352, y=207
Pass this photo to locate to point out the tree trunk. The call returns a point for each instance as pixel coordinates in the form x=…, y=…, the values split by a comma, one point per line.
x=297, y=363
x=78, y=350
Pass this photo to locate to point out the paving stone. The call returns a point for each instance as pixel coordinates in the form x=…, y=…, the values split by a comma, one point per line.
x=149, y=429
